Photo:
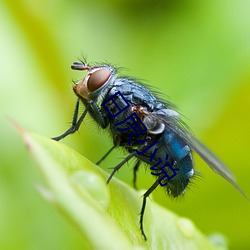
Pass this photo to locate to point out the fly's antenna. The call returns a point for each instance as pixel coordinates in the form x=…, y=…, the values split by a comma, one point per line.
x=80, y=66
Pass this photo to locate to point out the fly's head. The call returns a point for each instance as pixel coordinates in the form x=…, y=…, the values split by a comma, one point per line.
x=93, y=85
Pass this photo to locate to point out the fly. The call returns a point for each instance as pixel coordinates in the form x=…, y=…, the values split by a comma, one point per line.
x=148, y=127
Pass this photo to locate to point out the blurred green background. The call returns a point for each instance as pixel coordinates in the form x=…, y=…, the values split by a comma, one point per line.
x=195, y=52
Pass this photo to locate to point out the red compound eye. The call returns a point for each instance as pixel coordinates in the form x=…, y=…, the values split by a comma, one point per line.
x=97, y=79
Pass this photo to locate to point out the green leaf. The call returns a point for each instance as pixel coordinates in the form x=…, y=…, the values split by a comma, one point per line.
x=107, y=215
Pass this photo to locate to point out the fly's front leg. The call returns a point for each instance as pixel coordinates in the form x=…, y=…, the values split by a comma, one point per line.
x=75, y=124
x=97, y=114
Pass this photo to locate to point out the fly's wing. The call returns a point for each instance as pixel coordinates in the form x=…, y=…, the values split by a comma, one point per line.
x=212, y=160
x=176, y=125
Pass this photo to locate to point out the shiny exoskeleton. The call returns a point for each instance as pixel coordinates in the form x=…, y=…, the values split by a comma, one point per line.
x=165, y=139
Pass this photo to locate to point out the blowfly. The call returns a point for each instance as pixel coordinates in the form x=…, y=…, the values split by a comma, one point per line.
x=148, y=127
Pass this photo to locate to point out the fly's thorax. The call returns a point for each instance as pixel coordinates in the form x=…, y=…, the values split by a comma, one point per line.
x=155, y=121
x=94, y=85
x=153, y=126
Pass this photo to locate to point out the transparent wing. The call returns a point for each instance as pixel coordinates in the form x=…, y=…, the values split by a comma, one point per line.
x=177, y=126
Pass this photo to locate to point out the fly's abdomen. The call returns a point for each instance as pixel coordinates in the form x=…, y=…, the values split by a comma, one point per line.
x=172, y=163
x=183, y=163
x=179, y=183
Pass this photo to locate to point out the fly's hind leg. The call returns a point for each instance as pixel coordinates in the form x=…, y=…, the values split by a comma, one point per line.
x=145, y=196
x=135, y=169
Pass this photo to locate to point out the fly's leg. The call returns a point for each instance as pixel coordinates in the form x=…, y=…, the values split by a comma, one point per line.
x=120, y=165
x=135, y=169
x=105, y=155
x=97, y=114
x=75, y=124
x=132, y=154
x=149, y=191
x=92, y=108
x=145, y=196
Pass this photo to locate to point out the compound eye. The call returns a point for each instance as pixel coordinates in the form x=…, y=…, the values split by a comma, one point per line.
x=97, y=79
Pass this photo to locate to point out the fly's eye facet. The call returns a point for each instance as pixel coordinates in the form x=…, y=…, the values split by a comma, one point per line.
x=97, y=79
